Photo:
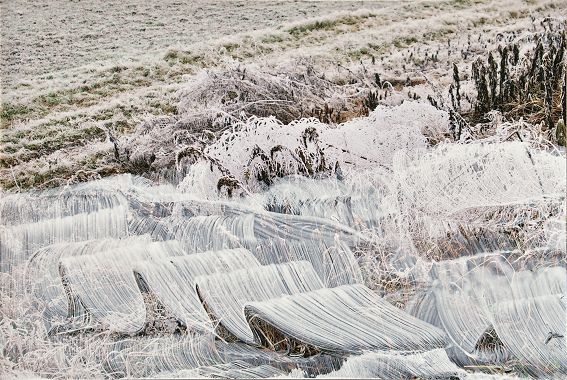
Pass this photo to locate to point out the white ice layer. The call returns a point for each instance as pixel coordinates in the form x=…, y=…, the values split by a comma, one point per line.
x=396, y=260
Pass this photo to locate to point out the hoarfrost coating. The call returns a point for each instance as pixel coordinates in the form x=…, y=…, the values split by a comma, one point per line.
x=205, y=268
x=335, y=189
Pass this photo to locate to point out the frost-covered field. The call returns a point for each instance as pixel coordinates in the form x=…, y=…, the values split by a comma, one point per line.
x=275, y=189
x=53, y=36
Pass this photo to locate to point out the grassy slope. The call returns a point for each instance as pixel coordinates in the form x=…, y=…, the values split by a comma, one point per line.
x=56, y=126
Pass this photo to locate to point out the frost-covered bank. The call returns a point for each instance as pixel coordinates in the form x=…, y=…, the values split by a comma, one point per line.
x=58, y=127
x=378, y=242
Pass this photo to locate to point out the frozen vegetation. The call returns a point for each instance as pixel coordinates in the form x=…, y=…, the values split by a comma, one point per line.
x=262, y=190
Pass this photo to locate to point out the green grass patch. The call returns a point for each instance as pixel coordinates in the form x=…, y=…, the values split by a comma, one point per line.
x=300, y=30
x=230, y=47
x=188, y=58
x=433, y=35
x=403, y=42
x=272, y=39
x=12, y=111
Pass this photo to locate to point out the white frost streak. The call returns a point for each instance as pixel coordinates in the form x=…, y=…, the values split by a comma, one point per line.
x=104, y=284
x=227, y=294
x=172, y=280
x=387, y=365
x=345, y=319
